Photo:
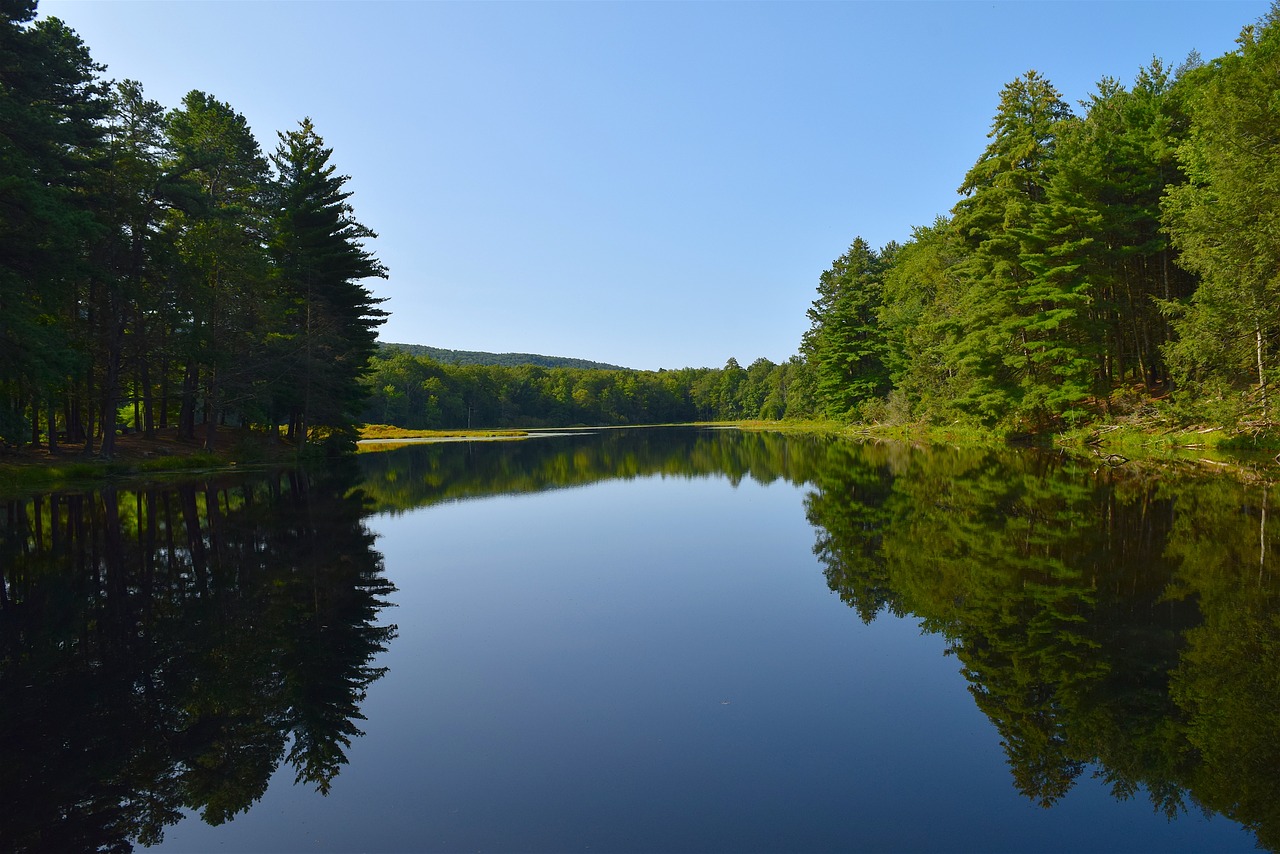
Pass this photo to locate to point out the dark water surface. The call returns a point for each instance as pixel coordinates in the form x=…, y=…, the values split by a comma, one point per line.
x=646, y=640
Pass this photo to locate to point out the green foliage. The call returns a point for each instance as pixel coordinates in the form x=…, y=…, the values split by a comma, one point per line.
x=921, y=295
x=419, y=393
x=507, y=360
x=1224, y=221
x=152, y=266
x=330, y=319
x=845, y=344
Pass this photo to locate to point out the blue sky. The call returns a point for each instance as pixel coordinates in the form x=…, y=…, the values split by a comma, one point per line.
x=651, y=184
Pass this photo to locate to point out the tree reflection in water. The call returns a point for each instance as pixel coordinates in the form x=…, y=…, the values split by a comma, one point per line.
x=1105, y=621
x=166, y=648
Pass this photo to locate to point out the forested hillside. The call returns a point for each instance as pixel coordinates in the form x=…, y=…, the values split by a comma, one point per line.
x=158, y=269
x=421, y=393
x=478, y=357
x=1121, y=260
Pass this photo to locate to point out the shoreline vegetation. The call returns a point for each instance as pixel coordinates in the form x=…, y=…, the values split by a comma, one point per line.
x=1103, y=284
x=167, y=455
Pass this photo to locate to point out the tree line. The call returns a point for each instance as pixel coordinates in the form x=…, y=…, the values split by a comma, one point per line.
x=1113, y=261
x=159, y=270
x=420, y=393
x=479, y=357
x=1099, y=260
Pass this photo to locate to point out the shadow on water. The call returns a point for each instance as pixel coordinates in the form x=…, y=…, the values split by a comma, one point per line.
x=165, y=649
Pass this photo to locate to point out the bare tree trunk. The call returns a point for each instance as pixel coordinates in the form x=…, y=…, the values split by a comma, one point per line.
x=211, y=419
x=187, y=414
x=1262, y=374
x=53, y=427
x=111, y=389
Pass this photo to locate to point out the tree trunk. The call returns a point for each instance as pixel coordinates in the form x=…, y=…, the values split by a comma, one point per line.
x=148, y=403
x=211, y=414
x=187, y=414
x=111, y=389
x=53, y=427
x=1262, y=374
x=164, y=394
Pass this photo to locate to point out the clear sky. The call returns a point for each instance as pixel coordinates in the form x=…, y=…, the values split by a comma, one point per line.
x=651, y=184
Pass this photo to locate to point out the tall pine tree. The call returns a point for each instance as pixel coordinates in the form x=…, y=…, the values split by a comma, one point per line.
x=846, y=345
x=320, y=262
x=1006, y=355
x=1226, y=223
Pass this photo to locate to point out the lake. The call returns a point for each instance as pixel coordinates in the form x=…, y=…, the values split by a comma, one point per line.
x=663, y=639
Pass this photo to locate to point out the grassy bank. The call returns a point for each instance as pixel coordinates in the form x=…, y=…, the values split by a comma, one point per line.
x=387, y=431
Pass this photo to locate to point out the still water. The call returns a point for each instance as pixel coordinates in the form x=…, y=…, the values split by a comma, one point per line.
x=646, y=640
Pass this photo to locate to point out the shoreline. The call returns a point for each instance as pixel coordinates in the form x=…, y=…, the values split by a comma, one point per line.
x=1206, y=449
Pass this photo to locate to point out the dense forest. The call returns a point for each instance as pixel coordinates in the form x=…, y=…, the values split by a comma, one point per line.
x=159, y=270
x=1119, y=261
x=1112, y=261
x=479, y=357
x=420, y=393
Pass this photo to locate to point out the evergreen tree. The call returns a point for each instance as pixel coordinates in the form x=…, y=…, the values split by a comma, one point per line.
x=129, y=207
x=1225, y=221
x=1099, y=237
x=220, y=281
x=331, y=319
x=1006, y=353
x=846, y=345
x=919, y=315
x=51, y=103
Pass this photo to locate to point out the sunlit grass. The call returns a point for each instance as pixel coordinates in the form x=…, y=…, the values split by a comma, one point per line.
x=386, y=431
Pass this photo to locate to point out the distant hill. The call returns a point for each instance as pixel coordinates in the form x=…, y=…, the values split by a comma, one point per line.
x=472, y=357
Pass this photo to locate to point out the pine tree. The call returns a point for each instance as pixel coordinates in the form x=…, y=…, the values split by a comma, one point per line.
x=320, y=261
x=846, y=345
x=220, y=279
x=1005, y=353
x=51, y=103
x=1226, y=223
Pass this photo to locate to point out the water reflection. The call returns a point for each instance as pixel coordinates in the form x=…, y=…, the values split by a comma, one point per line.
x=166, y=648
x=1108, y=622
x=1104, y=621
x=422, y=475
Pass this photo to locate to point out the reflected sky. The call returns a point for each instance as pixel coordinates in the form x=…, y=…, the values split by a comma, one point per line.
x=656, y=664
